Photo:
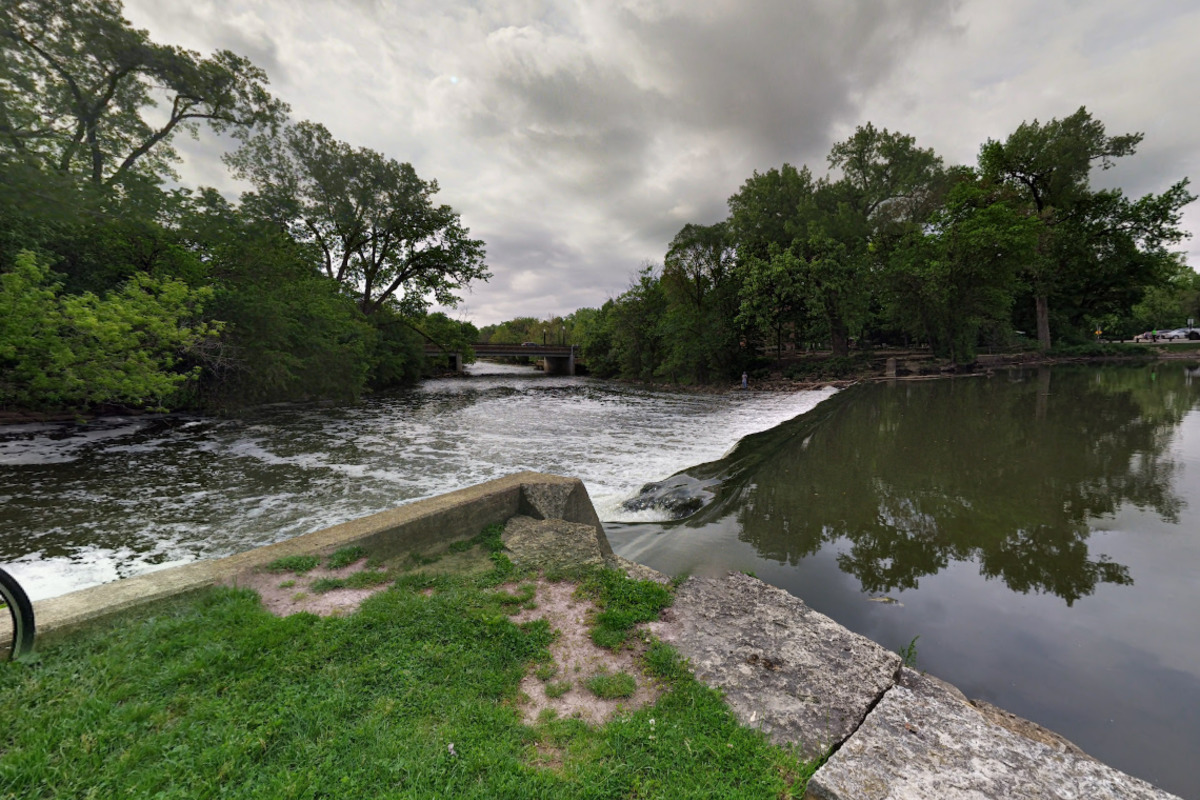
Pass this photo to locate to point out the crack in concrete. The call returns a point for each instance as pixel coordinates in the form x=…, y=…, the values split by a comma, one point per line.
x=870, y=707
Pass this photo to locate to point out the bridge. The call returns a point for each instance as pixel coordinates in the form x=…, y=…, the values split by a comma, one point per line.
x=559, y=358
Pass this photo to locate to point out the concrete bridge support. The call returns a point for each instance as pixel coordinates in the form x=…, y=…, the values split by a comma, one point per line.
x=560, y=365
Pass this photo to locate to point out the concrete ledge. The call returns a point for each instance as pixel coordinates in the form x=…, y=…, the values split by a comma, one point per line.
x=894, y=734
x=420, y=525
x=923, y=742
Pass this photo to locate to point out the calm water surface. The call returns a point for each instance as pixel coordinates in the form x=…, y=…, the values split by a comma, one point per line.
x=1038, y=530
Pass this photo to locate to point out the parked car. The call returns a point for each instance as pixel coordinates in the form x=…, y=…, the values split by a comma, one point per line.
x=1168, y=335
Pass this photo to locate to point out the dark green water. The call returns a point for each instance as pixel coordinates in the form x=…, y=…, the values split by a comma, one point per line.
x=1039, y=529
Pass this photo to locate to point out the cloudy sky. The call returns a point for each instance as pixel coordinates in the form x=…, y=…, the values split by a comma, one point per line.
x=577, y=137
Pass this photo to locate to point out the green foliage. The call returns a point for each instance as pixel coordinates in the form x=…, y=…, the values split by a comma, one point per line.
x=825, y=368
x=77, y=351
x=957, y=277
x=1097, y=250
x=77, y=66
x=413, y=693
x=624, y=603
x=371, y=219
x=611, y=686
x=178, y=297
x=367, y=579
x=908, y=653
x=664, y=662
x=345, y=556
x=396, y=353
x=452, y=336
x=488, y=539
x=296, y=564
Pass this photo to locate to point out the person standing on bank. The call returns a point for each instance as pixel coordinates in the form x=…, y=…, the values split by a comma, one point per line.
x=745, y=379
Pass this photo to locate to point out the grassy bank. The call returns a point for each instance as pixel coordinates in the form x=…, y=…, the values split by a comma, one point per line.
x=415, y=695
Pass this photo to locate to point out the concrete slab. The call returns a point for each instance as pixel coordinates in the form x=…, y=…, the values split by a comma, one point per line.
x=785, y=669
x=923, y=742
x=413, y=527
x=552, y=544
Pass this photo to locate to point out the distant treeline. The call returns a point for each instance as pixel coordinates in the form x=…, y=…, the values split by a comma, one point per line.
x=120, y=288
x=894, y=248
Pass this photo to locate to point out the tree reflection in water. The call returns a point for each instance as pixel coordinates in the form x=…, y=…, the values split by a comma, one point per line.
x=1008, y=471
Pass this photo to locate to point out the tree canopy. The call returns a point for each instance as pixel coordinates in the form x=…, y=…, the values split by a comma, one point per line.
x=76, y=81
x=371, y=218
x=119, y=290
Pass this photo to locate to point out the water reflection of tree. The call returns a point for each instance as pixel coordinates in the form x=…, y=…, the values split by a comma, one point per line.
x=1007, y=471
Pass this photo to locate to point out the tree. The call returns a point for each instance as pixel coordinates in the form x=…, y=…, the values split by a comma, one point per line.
x=1097, y=250
x=958, y=274
x=76, y=81
x=764, y=211
x=72, y=351
x=700, y=283
x=886, y=178
x=772, y=295
x=370, y=218
x=289, y=332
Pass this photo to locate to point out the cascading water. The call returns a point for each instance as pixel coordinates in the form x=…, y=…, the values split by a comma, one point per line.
x=87, y=504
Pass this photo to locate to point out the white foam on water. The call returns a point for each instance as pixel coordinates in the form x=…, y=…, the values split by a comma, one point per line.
x=87, y=506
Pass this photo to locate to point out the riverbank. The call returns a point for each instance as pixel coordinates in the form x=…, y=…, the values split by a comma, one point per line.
x=448, y=682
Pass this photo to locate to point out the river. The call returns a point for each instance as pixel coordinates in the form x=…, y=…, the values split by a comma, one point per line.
x=1038, y=530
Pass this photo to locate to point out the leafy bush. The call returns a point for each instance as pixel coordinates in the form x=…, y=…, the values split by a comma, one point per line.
x=74, y=351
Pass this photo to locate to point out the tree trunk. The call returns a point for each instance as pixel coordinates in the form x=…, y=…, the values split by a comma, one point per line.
x=839, y=340
x=1043, y=322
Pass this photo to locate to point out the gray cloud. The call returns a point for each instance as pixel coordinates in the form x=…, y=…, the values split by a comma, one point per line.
x=576, y=139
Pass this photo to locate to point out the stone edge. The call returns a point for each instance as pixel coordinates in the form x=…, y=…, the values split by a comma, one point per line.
x=446, y=518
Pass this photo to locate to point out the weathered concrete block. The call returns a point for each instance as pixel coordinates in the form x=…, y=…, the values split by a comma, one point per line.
x=786, y=669
x=636, y=571
x=552, y=543
x=568, y=500
x=923, y=742
x=424, y=524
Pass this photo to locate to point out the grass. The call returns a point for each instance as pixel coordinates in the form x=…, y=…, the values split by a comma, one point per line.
x=365, y=579
x=296, y=564
x=612, y=686
x=346, y=556
x=908, y=653
x=557, y=689
x=213, y=696
x=623, y=604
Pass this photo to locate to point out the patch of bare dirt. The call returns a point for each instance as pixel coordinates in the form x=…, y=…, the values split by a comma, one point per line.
x=285, y=593
x=578, y=659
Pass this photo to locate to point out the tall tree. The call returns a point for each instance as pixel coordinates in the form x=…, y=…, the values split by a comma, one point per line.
x=1093, y=244
x=77, y=81
x=764, y=211
x=371, y=218
x=700, y=283
x=957, y=275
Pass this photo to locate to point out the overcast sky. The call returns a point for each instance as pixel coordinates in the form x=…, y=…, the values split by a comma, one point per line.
x=576, y=138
